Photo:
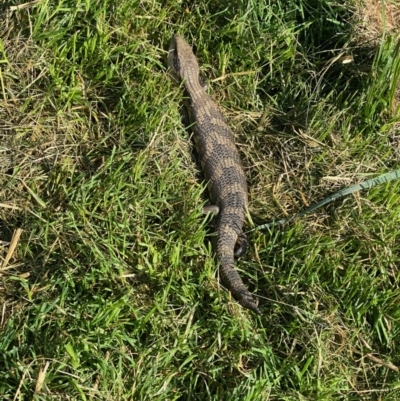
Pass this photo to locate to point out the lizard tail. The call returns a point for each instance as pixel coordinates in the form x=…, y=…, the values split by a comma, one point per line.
x=227, y=238
x=239, y=291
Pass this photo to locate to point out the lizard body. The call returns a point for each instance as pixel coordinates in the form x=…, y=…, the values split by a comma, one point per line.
x=221, y=165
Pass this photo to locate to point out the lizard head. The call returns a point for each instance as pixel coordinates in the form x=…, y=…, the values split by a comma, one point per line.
x=181, y=60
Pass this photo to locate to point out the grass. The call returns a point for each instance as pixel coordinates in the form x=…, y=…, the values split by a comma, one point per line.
x=111, y=292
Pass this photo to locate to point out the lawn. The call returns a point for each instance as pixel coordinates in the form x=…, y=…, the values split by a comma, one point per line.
x=109, y=290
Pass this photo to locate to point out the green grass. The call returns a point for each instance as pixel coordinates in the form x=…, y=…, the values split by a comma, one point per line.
x=112, y=292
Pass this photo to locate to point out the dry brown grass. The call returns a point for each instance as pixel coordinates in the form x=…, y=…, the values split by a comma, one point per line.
x=377, y=17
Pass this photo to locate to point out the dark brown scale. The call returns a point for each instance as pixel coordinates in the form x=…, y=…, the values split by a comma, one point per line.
x=222, y=167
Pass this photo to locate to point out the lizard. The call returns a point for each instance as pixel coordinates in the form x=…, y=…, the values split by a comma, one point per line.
x=222, y=167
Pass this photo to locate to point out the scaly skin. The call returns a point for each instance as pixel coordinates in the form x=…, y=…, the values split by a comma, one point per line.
x=221, y=165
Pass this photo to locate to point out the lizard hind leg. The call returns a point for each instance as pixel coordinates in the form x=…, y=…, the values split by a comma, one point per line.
x=203, y=82
x=241, y=245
